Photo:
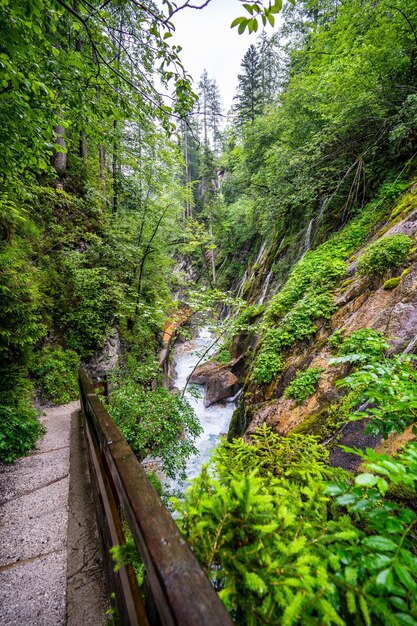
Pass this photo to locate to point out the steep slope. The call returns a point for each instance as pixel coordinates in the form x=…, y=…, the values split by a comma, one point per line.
x=326, y=293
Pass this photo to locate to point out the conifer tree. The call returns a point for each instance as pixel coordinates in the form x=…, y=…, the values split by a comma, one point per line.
x=249, y=91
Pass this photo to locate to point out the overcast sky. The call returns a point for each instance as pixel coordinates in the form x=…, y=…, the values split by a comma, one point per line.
x=209, y=42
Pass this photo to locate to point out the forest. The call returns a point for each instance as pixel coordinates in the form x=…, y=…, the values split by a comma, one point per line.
x=131, y=202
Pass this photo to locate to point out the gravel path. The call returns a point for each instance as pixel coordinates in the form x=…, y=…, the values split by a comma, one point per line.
x=34, y=511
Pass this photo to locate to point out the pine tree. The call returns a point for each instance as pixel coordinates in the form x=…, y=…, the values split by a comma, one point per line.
x=210, y=110
x=249, y=91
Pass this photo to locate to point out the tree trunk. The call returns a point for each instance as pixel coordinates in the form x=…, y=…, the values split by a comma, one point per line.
x=60, y=158
x=102, y=160
x=115, y=171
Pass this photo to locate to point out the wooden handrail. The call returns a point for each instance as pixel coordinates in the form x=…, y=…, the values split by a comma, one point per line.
x=177, y=592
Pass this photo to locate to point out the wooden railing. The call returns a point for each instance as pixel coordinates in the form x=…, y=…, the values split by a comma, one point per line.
x=176, y=590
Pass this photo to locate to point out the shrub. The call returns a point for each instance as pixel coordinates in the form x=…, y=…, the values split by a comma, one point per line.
x=269, y=361
x=90, y=303
x=283, y=546
x=387, y=389
x=364, y=345
x=155, y=423
x=297, y=325
x=55, y=373
x=19, y=430
x=19, y=427
x=303, y=385
x=387, y=253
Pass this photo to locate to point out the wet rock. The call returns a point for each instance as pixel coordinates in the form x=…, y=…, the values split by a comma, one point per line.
x=106, y=359
x=220, y=381
x=223, y=385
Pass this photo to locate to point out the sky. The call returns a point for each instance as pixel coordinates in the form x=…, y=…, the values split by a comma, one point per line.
x=209, y=42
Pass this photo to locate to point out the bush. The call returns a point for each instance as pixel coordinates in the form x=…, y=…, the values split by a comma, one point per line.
x=387, y=391
x=364, y=346
x=284, y=547
x=297, y=325
x=303, y=385
x=55, y=372
x=155, y=422
x=387, y=253
x=90, y=303
x=19, y=428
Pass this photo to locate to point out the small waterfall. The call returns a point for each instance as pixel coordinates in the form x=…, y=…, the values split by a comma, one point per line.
x=260, y=253
x=265, y=289
x=307, y=242
x=242, y=284
x=280, y=243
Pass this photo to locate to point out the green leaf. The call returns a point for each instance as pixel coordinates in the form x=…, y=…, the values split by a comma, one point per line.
x=405, y=578
x=238, y=21
x=377, y=542
x=255, y=583
x=242, y=26
x=385, y=579
x=366, y=480
x=405, y=618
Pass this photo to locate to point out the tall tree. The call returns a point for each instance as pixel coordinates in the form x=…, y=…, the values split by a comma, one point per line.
x=210, y=110
x=249, y=102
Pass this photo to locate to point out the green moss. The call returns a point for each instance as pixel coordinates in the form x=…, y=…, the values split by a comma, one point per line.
x=391, y=283
x=406, y=272
x=405, y=205
x=327, y=421
x=386, y=253
x=237, y=424
x=346, y=283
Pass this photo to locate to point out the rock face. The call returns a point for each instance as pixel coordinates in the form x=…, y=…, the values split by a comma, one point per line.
x=363, y=303
x=107, y=358
x=219, y=380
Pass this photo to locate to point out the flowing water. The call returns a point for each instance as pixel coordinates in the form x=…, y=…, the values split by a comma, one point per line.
x=215, y=419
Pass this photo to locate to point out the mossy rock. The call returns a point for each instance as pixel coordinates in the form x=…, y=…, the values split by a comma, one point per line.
x=392, y=283
x=238, y=423
x=406, y=272
x=346, y=283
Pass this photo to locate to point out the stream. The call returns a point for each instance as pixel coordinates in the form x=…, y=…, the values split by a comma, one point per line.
x=214, y=419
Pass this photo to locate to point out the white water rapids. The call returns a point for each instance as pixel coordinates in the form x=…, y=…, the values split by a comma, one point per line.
x=214, y=419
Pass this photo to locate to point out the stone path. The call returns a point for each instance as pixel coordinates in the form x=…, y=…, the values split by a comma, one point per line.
x=48, y=541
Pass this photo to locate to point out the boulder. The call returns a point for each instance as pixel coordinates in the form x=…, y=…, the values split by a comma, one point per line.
x=220, y=386
x=220, y=381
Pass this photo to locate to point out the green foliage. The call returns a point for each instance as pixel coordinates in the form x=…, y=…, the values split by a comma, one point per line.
x=361, y=346
x=388, y=391
x=257, y=9
x=55, y=371
x=297, y=457
x=155, y=422
x=269, y=361
x=224, y=355
x=92, y=300
x=19, y=427
x=284, y=546
x=386, y=253
x=303, y=385
x=21, y=324
x=128, y=554
x=297, y=325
